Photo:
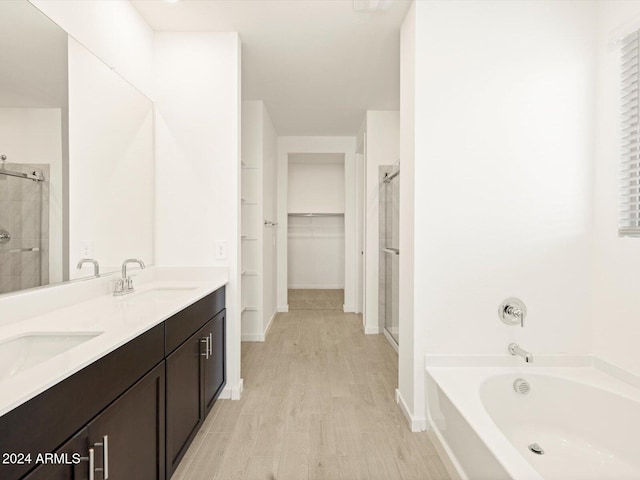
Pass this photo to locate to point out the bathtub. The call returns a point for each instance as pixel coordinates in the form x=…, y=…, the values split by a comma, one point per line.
x=586, y=422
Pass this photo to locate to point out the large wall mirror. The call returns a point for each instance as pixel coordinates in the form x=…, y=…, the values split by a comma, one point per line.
x=76, y=157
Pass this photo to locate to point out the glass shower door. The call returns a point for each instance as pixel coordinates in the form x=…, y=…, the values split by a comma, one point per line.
x=24, y=226
x=389, y=251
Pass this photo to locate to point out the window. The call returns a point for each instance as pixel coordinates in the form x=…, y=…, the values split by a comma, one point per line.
x=629, y=210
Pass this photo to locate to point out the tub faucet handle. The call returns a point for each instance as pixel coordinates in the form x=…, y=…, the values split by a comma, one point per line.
x=515, y=313
x=512, y=311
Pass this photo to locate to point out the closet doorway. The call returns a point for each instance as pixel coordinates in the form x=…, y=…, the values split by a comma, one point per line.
x=316, y=231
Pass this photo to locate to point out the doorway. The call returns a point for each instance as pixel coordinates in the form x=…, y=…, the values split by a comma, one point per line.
x=316, y=231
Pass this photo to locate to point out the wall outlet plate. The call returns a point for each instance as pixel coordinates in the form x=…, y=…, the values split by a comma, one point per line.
x=220, y=250
x=86, y=249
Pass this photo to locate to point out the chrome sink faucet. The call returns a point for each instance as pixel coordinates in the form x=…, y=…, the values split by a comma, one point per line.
x=124, y=285
x=96, y=265
x=514, y=349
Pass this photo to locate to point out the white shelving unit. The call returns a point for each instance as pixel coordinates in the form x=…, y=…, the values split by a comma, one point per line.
x=258, y=230
x=251, y=238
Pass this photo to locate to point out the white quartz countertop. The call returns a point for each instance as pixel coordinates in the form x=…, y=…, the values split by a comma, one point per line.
x=118, y=320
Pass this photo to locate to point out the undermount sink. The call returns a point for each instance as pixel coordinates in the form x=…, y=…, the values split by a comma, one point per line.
x=159, y=294
x=25, y=351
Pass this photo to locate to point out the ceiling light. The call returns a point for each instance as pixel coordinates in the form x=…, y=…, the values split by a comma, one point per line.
x=365, y=6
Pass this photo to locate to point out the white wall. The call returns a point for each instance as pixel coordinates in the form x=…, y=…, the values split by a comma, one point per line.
x=34, y=135
x=503, y=126
x=111, y=165
x=316, y=187
x=409, y=364
x=316, y=255
x=270, y=213
x=113, y=30
x=616, y=303
x=382, y=148
x=291, y=145
x=198, y=161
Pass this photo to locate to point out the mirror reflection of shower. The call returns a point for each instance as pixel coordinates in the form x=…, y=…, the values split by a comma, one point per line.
x=24, y=224
x=389, y=198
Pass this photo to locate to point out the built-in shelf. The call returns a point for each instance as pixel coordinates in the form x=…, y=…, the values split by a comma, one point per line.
x=244, y=167
x=249, y=309
x=248, y=237
x=249, y=203
x=250, y=273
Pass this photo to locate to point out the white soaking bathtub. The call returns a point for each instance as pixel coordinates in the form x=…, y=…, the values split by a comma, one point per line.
x=587, y=423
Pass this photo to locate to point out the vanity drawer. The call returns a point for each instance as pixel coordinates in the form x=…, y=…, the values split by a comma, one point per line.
x=185, y=323
x=45, y=422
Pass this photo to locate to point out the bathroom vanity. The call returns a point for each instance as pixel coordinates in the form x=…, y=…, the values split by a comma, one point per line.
x=133, y=412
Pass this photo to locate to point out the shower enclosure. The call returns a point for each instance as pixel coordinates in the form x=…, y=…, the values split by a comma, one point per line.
x=24, y=225
x=389, y=252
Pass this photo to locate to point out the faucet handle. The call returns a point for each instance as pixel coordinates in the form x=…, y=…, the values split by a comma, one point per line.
x=118, y=287
x=512, y=311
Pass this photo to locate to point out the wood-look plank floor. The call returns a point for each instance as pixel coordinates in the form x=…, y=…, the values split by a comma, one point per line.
x=305, y=299
x=318, y=403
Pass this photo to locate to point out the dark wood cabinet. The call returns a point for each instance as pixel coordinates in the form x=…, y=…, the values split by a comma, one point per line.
x=74, y=468
x=185, y=370
x=127, y=439
x=132, y=431
x=215, y=373
x=195, y=378
x=145, y=402
x=47, y=421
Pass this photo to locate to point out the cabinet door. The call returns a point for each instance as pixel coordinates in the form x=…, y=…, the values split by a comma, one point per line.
x=185, y=395
x=64, y=467
x=215, y=374
x=128, y=437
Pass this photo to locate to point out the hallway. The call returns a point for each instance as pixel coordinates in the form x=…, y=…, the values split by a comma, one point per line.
x=318, y=403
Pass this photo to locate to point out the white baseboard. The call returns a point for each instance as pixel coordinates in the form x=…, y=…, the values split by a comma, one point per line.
x=348, y=309
x=232, y=392
x=283, y=309
x=315, y=287
x=266, y=330
x=258, y=337
x=371, y=330
x=415, y=424
x=391, y=340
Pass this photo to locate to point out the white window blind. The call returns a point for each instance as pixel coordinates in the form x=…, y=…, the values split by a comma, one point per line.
x=629, y=212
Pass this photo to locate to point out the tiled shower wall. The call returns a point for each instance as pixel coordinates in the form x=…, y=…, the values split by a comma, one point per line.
x=24, y=213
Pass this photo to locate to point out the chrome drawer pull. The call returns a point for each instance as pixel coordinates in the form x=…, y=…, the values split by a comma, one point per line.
x=205, y=340
x=105, y=456
x=92, y=463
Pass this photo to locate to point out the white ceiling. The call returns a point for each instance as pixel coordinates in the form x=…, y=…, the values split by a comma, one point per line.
x=317, y=64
